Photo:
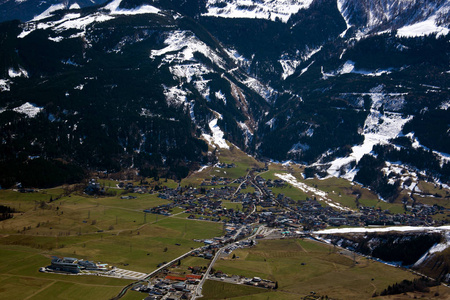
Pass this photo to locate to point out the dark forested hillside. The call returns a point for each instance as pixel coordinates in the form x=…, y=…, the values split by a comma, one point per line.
x=148, y=85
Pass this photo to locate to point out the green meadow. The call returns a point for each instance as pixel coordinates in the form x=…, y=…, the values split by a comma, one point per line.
x=106, y=229
x=64, y=222
x=304, y=266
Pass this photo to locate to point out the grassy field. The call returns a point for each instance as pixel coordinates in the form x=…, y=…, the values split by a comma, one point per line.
x=339, y=190
x=235, y=156
x=220, y=290
x=20, y=279
x=107, y=229
x=233, y=205
x=302, y=266
x=117, y=231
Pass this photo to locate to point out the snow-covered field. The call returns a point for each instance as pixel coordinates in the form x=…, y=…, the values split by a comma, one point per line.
x=320, y=195
x=423, y=28
x=264, y=9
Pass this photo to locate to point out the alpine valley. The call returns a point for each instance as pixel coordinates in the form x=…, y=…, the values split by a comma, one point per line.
x=264, y=119
x=353, y=89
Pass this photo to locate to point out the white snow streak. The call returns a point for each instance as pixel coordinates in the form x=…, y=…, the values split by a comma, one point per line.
x=217, y=135
x=349, y=67
x=320, y=195
x=48, y=12
x=381, y=229
x=265, y=91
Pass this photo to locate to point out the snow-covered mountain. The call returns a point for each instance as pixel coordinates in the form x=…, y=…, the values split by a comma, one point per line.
x=26, y=10
x=322, y=82
x=410, y=18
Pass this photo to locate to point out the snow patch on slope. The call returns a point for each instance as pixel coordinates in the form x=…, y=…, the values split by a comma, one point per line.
x=5, y=85
x=48, y=12
x=69, y=21
x=13, y=73
x=445, y=105
x=265, y=91
x=175, y=95
x=349, y=67
x=289, y=66
x=378, y=129
x=217, y=135
x=423, y=28
x=221, y=96
x=179, y=54
x=408, y=178
x=413, y=17
x=248, y=134
x=75, y=6
x=189, y=71
x=76, y=21
x=184, y=44
x=298, y=148
x=443, y=157
x=28, y=109
x=114, y=9
x=436, y=248
x=263, y=9
x=320, y=195
x=345, y=15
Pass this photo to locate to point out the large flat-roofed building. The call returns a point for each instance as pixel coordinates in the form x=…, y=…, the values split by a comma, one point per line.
x=66, y=264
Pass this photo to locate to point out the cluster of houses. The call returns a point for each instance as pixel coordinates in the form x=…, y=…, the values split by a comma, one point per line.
x=216, y=181
x=280, y=211
x=170, y=287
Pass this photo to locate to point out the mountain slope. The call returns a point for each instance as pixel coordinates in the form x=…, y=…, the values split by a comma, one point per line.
x=26, y=10
x=150, y=85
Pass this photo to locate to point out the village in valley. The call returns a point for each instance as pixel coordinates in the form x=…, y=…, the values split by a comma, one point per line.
x=225, y=227
x=250, y=211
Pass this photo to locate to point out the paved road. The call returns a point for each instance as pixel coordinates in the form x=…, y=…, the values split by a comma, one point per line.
x=151, y=274
x=198, y=290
